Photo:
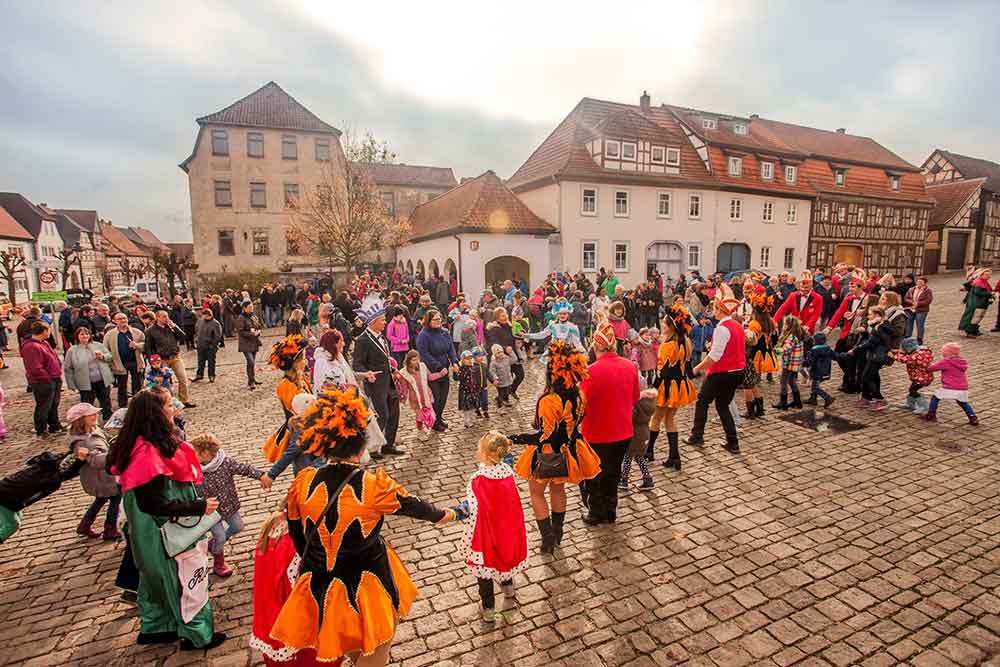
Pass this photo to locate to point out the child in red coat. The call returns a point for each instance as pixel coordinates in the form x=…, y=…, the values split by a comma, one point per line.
x=495, y=545
x=917, y=359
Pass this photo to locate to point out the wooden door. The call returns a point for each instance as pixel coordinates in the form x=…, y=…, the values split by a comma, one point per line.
x=732, y=257
x=931, y=260
x=957, y=244
x=849, y=254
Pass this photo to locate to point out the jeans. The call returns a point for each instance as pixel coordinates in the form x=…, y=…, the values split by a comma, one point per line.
x=220, y=534
x=602, y=491
x=917, y=319
x=439, y=390
x=719, y=388
x=46, y=395
x=131, y=371
x=966, y=407
x=789, y=380
x=871, y=381
x=111, y=517
x=206, y=356
x=817, y=389
x=250, y=357
x=101, y=393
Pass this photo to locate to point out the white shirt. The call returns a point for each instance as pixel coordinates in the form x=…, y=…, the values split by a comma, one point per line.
x=720, y=339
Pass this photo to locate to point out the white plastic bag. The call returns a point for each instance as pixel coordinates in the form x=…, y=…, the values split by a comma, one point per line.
x=192, y=571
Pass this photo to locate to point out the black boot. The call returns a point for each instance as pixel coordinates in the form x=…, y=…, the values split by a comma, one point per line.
x=751, y=410
x=557, y=519
x=548, y=538
x=674, y=456
x=759, y=402
x=810, y=401
x=653, y=435
x=782, y=404
x=796, y=399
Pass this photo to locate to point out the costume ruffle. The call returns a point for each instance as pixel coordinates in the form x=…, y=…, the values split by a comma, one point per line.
x=146, y=463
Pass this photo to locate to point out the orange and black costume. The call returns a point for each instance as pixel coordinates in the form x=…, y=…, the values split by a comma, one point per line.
x=676, y=375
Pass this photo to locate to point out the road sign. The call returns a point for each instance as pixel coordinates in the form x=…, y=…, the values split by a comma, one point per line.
x=46, y=277
x=48, y=297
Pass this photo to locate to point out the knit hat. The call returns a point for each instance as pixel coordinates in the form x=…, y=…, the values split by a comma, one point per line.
x=478, y=352
x=467, y=354
x=496, y=349
x=951, y=350
x=155, y=357
x=819, y=338
x=909, y=345
x=81, y=410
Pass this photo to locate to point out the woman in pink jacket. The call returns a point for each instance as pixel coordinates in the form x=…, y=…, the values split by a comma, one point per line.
x=954, y=384
x=398, y=333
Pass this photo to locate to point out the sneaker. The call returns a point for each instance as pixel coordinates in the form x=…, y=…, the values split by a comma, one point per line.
x=509, y=595
x=862, y=403
x=974, y=420
x=623, y=485
x=647, y=484
x=489, y=615
x=879, y=405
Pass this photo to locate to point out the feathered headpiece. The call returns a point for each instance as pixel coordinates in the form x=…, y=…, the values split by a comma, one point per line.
x=336, y=416
x=806, y=277
x=762, y=302
x=286, y=351
x=679, y=318
x=562, y=307
x=567, y=366
x=371, y=309
x=757, y=277
x=728, y=305
x=859, y=277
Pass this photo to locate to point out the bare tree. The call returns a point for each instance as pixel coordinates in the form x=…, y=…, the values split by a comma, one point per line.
x=127, y=270
x=174, y=267
x=397, y=234
x=11, y=264
x=344, y=218
x=66, y=257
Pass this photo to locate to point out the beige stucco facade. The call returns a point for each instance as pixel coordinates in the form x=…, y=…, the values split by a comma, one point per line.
x=258, y=232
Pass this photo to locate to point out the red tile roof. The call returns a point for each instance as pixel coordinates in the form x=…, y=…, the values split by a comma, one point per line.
x=117, y=244
x=835, y=145
x=864, y=181
x=412, y=175
x=755, y=139
x=271, y=107
x=11, y=228
x=84, y=218
x=149, y=239
x=482, y=204
x=750, y=174
x=949, y=198
x=973, y=167
x=27, y=214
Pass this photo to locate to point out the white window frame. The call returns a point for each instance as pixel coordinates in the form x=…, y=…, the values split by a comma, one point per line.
x=769, y=167
x=894, y=182
x=765, y=257
x=663, y=155
x=696, y=247
x=670, y=204
x=692, y=198
x=735, y=166
x=628, y=203
x=791, y=173
x=839, y=177
x=767, y=211
x=740, y=128
x=792, y=213
x=583, y=254
x=675, y=154
x=618, y=149
x=628, y=255
x=735, y=209
x=635, y=151
x=824, y=214
x=789, y=265
x=583, y=196
x=709, y=124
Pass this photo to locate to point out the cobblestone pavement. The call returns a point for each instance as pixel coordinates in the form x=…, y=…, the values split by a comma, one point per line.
x=876, y=547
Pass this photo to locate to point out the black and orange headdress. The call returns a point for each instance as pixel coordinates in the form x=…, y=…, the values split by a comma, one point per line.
x=286, y=351
x=336, y=416
x=763, y=302
x=567, y=366
x=679, y=317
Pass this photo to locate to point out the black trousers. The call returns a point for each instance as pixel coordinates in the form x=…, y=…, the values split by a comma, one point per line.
x=439, y=390
x=46, y=395
x=719, y=388
x=602, y=491
x=189, y=335
x=98, y=394
x=517, y=370
x=871, y=381
x=206, y=356
x=387, y=412
x=851, y=367
x=133, y=372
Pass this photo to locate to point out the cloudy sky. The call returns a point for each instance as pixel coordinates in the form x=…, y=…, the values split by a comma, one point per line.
x=99, y=99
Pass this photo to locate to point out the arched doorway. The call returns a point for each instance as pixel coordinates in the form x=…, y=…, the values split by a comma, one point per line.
x=409, y=266
x=450, y=270
x=507, y=267
x=432, y=268
x=420, y=270
x=667, y=257
x=732, y=257
x=401, y=267
x=848, y=253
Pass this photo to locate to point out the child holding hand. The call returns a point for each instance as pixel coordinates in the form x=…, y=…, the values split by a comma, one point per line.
x=917, y=360
x=954, y=383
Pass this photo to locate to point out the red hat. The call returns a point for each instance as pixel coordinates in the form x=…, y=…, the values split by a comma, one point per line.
x=604, y=336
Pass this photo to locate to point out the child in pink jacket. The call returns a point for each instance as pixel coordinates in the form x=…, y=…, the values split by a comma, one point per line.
x=954, y=384
x=398, y=333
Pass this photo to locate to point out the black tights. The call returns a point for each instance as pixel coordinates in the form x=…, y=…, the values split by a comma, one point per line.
x=487, y=595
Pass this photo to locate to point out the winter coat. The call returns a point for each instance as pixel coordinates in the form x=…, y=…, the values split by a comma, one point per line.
x=94, y=478
x=218, y=482
x=76, y=365
x=641, y=413
x=472, y=380
x=162, y=341
x=952, y=373
x=500, y=369
x=398, y=334
x=111, y=342
x=819, y=360
x=41, y=364
x=41, y=476
x=917, y=363
x=207, y=334
x=247, y=341
x=436, y=348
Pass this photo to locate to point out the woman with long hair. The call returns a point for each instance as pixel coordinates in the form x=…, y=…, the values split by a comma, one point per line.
x=558, y=414
x=159, y=474
x=674, y=381
x=352, y=589
x=330, y=363
x=761, y=359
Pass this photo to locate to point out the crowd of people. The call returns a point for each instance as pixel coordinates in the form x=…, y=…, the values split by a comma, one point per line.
x=620, y=366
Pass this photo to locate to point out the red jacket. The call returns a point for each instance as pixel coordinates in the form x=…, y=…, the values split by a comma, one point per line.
x=40, y=362
x=612, y=390
x=809, y=315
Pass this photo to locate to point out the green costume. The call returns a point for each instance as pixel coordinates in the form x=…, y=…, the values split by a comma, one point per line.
x=159, y=588
x=976, y=302
x=10, y=521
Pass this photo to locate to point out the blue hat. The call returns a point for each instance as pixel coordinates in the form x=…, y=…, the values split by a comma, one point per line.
x=562, y=307
x=370, y=311
x=478, y=352
x=467, y=354
x=909, y=344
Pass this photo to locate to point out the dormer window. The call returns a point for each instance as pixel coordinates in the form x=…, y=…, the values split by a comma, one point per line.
x=658, y=155
x=790, y=174
x=767, y=171
x=894, y=183
x=735, y=166
x=628, y=151
x=674, y=157
x=612, y=149
x=839, y=176
x=739, y=128
x=709, y=124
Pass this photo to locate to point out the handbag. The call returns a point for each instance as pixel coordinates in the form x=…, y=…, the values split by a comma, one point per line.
x=322, y=516
x=426, y=416
x=549, y=465
x=178, y=537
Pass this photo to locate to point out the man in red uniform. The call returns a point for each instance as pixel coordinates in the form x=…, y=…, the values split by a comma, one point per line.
x=611, y=391
x=804, y=303
x=723, y=368
x=847, y=315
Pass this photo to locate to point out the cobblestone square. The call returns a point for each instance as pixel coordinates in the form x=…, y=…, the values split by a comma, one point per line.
x=874, y=547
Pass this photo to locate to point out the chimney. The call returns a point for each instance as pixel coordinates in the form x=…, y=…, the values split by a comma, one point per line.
x=841, y=130
x=644, y=102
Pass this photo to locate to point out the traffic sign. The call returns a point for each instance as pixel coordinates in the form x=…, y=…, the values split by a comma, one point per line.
x=46, y=277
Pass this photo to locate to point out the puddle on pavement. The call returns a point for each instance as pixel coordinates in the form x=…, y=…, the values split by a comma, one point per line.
x=822, y=422
x=948, y=446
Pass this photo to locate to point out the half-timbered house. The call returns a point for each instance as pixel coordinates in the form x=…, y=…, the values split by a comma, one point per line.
x=965, y=225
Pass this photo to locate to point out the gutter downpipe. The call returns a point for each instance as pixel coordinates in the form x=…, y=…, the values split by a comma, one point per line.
x=459, y=240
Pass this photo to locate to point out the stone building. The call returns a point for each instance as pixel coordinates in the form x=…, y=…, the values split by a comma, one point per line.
x=250, y=163
x=88, y=235
x=403, y=187
x=965, y=224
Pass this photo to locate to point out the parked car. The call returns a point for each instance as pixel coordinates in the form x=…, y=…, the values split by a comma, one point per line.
x=146, y=289
x=78, y=297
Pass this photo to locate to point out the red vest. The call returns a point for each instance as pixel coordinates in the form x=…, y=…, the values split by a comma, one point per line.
x=734, y=357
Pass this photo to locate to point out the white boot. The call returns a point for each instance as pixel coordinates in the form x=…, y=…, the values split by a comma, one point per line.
x=509, y=595
x=489, y=615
